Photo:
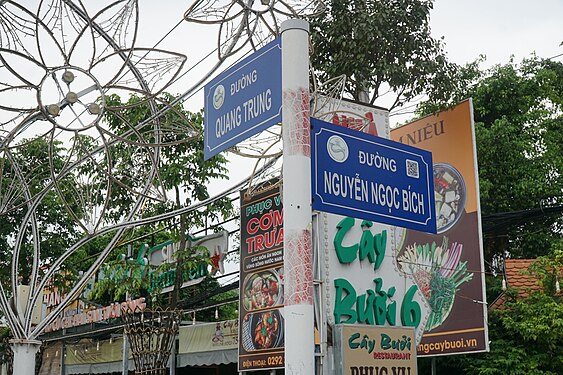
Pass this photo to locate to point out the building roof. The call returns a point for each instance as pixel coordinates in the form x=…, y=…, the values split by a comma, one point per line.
x=519, y=279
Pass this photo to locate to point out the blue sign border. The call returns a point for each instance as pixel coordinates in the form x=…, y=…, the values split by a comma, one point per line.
x=341, y=206
x=268, y=61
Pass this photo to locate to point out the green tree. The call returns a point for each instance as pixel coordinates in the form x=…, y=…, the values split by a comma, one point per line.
x=518, y=117
x=54, y=224
x=519, y=132
x=210, y=292
x=182, y=171
x=381, y=45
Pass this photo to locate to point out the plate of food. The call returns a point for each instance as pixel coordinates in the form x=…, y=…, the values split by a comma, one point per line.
x=267, y=329
x=262, y=290
x=262, y=330
x=450, y=196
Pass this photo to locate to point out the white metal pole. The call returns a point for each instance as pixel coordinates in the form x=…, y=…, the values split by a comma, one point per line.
x=298, y=253
x=24, y=355
x=63, y=351
x=172, y=359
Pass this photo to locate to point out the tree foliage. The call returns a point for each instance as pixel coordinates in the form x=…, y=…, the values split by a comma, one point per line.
x=381, y=45
x=182, y=167
x=518, y=113
x=526, y=335
x=185, y=174
x=55, y=226
x=211, y=291
x=122, y=276
x=519, y=132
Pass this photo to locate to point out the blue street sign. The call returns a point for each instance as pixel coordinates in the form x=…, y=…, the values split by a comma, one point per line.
x=372, y=178
x=243, y=100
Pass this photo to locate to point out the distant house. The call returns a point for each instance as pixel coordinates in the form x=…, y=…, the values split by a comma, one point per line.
x=519, y=279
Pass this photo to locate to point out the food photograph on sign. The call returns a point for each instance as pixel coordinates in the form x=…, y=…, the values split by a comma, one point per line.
x=448, y=266
x=449, y=195
x=262, y=330
x=263, y=289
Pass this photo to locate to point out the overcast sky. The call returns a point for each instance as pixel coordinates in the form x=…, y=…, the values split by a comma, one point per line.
x=498, y=28
x=495, y=28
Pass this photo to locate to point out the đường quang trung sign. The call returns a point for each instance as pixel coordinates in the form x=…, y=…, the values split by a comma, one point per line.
x=243, y=100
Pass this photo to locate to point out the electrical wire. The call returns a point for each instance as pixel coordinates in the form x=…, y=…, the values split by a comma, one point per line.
x=492, y=223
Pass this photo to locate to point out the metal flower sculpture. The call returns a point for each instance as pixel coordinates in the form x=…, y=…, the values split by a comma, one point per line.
x=60, y=66
x=327, y=96
x=253, y=22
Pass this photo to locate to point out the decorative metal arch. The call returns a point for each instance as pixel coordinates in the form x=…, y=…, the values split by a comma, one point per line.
x=59, y=63
x=248, y=22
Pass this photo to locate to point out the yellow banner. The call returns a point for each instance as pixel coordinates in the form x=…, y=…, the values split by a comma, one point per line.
x=208, y=337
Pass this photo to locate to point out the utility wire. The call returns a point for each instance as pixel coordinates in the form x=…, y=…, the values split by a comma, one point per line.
x=501, y=221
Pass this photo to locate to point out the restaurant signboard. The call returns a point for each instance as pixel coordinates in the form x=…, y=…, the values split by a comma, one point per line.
x=261, y=326
x=362, y=349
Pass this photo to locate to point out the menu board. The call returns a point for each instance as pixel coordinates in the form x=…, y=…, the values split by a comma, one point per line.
x=261, y=325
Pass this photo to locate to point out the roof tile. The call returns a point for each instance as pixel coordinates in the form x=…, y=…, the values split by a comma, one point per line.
x=518, y=278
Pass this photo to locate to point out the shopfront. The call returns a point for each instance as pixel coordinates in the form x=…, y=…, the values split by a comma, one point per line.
x=211, y=348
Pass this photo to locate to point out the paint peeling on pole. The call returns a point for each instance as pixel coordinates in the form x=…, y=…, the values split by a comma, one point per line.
x=298, y=261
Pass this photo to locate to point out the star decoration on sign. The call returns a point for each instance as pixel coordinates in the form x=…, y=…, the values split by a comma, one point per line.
x=217, y=260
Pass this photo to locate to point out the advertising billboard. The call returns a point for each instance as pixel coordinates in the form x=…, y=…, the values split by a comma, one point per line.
x=363, y=282
x=261, y=325
x=448, y=266
x=352, y=115
x=208, y=337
